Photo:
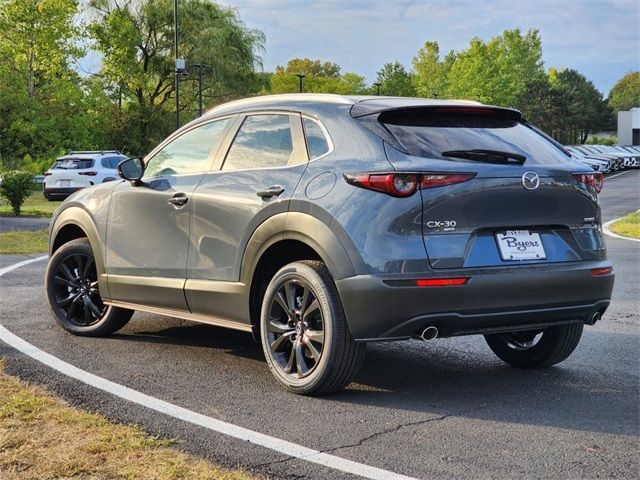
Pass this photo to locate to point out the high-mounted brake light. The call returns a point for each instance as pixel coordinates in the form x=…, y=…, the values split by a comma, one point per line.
x=91, y=174
x=595, y=180
x=441, y=282
x=404, y=184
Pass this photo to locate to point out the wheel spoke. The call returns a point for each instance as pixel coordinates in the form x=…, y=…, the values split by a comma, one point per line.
x=315, y=335
x=72, y=307
x=281, y=341
x=279, y=327
x=67, y=272
x=290, y=290
x=283, y=303
x=301, y=364
x=314, y=307
x=95, y=311
x=313, y=350
x=87, y=312
x=306, y=294
x=63, y=281
x=66, y=301
x=80, y=265
x=292, y=358
x=87, y=268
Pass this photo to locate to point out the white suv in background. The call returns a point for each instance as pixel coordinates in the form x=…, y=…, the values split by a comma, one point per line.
x=80, y=169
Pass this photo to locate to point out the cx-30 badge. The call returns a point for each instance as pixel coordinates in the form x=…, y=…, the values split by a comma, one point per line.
x=530, y=180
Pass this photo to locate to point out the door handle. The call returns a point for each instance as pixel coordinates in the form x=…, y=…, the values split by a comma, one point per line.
x=178, y=200
x=272, y=191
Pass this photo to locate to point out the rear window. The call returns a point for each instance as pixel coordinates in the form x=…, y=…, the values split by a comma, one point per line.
x=424, y=133
x=73, y=164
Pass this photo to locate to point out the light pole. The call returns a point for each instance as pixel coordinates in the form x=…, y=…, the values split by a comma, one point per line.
x=378, y=85
x=179, y=62
x=200, y=66
x=300, y=77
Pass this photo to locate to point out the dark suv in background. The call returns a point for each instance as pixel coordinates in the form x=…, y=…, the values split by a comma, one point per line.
x=322, y=222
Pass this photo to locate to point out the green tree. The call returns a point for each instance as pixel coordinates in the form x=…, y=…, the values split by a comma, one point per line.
x=394, y=80
x=625, y=94
x=16, y=187
x=584, y=109
x=41, y=97
x=429, y=73
x=136, y=42
x=310, y=68
x=320, y=77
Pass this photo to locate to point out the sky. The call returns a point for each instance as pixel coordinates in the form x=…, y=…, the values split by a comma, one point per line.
x=599, y=38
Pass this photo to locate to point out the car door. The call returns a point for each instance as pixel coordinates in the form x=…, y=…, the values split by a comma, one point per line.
x=256, y=178
x=147, y=235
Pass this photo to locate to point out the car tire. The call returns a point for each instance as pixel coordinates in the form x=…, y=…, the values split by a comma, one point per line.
x=537, y=349
x=73, y=292
x=304, y=333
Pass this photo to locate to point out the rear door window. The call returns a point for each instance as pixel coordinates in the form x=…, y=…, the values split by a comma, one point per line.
x=111, y=162
x=73, y=164
x=263, y=141
x=426, y=133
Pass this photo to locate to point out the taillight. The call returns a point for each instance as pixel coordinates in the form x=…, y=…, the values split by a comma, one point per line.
x=404, y=184
x=91, y=174
x=598, y=272
x=46, y=174
x=596, y=180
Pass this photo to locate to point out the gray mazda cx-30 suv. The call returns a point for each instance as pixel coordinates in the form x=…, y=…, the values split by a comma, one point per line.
x=322, y=222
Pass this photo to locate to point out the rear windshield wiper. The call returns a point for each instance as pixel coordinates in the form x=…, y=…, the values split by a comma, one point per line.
x=489, y=156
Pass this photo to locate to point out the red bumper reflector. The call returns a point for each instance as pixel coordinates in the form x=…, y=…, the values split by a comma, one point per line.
x=441, y=282
x=598, y=272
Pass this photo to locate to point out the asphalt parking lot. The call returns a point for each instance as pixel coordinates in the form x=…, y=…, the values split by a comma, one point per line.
x=444, y=409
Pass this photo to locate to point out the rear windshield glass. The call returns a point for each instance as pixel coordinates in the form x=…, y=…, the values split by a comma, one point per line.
x=429, y=134
x=73, y=164
x=111, y=162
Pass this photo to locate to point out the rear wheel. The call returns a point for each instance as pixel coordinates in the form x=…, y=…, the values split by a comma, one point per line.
x=74, y=293
x=536, y=349
x=305, y=338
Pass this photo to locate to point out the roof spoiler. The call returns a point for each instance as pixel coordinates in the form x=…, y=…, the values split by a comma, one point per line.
x=364, y=109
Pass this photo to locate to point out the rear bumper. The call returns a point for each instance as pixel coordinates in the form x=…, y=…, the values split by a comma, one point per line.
x=59, y=192
x=493, y=300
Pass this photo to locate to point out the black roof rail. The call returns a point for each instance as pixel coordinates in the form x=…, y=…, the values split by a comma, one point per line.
x=101, y=152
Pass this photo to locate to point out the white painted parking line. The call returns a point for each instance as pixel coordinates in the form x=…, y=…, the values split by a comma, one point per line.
x=616, y=175
x=282, y=446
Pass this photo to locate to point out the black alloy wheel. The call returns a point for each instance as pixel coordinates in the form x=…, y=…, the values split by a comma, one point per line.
x=76, y=291
x=73, y=291
x=304, y=333
x=296, y=329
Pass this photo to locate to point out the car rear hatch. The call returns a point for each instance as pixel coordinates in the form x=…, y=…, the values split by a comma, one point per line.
x=524, y=200
x=70, y=173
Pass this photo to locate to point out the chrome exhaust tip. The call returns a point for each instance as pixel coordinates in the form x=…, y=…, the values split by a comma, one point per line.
x=429, y=333
x=596, y=316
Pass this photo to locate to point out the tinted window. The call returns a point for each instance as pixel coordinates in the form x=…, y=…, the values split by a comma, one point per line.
x=317, y=142
x=111, y=162
x=73, y=164
x=263, y=141
x=189, y=153
x=428, y=134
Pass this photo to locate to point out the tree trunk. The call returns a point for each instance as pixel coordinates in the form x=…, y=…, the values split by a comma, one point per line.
x=32, y=89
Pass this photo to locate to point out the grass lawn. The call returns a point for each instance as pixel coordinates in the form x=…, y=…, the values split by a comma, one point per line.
x=24, y=242
x=43, y=437
x=34, y=206
x=628, y=226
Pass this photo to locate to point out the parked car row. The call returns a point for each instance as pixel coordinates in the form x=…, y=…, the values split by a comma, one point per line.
x=604, y=158
x=80, y=169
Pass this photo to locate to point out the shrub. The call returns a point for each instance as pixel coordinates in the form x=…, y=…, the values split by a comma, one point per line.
x=16, y=187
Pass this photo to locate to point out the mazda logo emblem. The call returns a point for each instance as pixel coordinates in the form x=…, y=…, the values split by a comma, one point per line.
x=530, y=180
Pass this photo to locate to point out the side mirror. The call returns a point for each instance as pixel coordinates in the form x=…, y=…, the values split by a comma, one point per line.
x=131, y=169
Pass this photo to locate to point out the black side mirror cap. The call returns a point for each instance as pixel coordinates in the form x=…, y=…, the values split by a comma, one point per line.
x=131, y=169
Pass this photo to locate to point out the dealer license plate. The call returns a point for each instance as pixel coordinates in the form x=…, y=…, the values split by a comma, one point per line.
x=520, y=245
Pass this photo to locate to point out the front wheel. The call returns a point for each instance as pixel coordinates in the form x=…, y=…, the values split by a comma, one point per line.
x=536, y=349
x=305, y=337
x=71, y=282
